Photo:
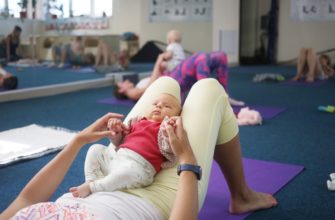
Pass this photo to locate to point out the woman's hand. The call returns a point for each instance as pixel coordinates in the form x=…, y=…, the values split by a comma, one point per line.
x=96, y=130
x=179, y=141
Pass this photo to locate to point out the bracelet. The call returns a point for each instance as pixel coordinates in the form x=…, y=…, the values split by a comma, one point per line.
x=190, y=167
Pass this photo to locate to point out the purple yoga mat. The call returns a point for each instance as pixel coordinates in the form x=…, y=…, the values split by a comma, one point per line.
x=304, y=83
x=83, y=70
x=115, y=101
x=264, y=176
x=267, y=112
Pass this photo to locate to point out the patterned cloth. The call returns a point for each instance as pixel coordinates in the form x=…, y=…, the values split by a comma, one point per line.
x=199, y=66
x=51, y=210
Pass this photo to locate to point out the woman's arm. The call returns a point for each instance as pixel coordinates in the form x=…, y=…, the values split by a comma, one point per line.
x=157, y=72
x=45, y=182
x=135, y=93
x=186, y=203
x=328, y=70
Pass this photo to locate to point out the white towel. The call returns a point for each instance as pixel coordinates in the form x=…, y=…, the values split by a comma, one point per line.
x=31, y=141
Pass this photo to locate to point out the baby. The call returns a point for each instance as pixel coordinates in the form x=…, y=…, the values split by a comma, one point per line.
x=174, y=51
x=136, y=154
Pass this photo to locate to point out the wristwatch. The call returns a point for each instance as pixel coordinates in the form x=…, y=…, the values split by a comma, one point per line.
x=190, y=167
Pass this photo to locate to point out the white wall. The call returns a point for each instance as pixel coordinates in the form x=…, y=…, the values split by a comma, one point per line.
x=226, y=17
x=197, y=36
x=28, y=26
x=294, y=34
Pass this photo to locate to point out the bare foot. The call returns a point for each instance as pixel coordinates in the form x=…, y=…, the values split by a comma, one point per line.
x=296, y=78
x=254, y=201
x=310, y=79
x=81, y=191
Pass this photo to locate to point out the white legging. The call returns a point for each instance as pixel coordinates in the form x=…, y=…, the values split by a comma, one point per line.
x=208, y=120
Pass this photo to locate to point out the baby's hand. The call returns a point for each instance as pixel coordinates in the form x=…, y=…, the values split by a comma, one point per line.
x=117, y=127
x=172, y=122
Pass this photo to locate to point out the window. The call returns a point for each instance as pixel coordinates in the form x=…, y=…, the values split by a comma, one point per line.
x=103, y=8
x=14, y=8
x=59, y=8
x=81, y=8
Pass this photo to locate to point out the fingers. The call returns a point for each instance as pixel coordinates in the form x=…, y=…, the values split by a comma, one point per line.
x=104, y=119
x=179, y=127
x=171, y=133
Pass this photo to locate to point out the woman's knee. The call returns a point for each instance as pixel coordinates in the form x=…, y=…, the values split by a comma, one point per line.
x=208, y=86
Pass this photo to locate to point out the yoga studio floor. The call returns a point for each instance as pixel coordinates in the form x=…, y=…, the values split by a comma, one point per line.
x=300, y=136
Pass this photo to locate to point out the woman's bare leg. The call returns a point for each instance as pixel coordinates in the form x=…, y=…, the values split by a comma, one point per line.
x=98, y=57
x=302, y=61
x=243, y=199
x=312, y=65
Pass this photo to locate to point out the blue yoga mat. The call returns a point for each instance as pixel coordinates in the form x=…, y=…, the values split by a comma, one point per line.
x=316, y=83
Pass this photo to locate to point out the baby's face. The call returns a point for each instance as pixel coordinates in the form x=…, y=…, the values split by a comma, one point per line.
x=165, y=105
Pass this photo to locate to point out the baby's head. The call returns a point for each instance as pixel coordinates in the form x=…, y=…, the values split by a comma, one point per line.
x=164, y=105
x=325, y=60
x=173, y=36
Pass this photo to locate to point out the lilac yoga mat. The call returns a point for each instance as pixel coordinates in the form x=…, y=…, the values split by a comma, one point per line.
x=115, y=101
x=303, y=83
x=267, y=112
x=268, y=177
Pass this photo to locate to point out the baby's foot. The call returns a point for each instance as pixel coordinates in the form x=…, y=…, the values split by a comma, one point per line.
x=332, y=176
x=81, y=191
x=254, y=201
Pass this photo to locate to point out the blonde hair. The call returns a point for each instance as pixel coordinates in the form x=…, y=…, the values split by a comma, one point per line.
x=173, y=36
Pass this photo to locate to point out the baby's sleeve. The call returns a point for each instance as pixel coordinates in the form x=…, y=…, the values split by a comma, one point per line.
x=165, y=148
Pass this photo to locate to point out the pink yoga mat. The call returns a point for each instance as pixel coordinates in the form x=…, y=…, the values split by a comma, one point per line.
x=264, y=176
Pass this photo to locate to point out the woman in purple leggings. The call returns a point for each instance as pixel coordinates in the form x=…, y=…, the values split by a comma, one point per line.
x=199, y=66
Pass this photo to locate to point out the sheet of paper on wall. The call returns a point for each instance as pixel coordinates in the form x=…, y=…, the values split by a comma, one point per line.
x=180, y=10
x=313, y=10
x=31, y=141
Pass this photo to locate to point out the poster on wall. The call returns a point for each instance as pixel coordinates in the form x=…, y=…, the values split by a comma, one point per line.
x=313, y=10
x=180, y=10
x=69, y=24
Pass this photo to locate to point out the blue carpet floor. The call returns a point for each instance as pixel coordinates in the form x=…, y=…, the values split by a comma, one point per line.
x=302, y=135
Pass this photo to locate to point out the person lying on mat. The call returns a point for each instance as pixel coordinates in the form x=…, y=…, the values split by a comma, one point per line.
x=136, y=154
x=72, y=53
x=169, y=195
x=312, y=66
x=7, y=80
x=198, y=66
x=106, y=57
